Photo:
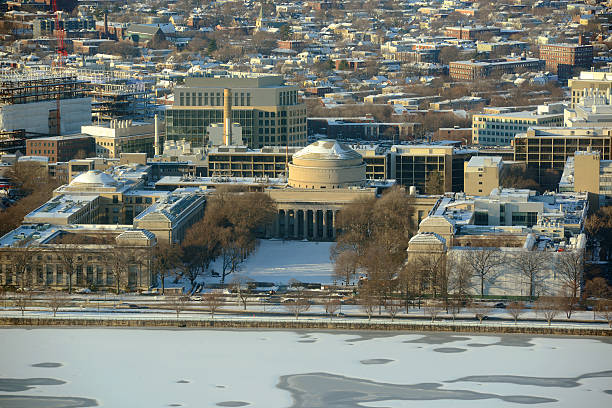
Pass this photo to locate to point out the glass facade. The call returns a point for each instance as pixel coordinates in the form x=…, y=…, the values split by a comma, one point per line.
x=191, y=124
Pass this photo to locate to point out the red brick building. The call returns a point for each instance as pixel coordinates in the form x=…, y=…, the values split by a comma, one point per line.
x=60, y=148
x=562, y=59
x=472, y=69
x=471, y=33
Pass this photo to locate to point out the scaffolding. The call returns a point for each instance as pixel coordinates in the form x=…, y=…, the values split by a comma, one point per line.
x=117, y=95
x=12, y=141
x=28, y=87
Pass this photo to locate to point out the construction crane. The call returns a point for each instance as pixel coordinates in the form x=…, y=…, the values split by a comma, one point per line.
x=61, y=53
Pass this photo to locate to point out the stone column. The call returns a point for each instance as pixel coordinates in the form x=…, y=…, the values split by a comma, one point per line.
x=324, y=219
x=333, y=224
x=286, y=234
x=296, y=224
x=315, y=229
x=305, y=217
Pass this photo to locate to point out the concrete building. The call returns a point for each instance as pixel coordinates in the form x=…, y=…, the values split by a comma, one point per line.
x=482, y=175
x=42, y=242
x=500, y=129
x=546, y=148
x=514, y=222
x=29, y=102
x=586, y=172
x=234, y=161
x=589, y=82
x=60, y=148
x=122, y=136
x=267, y=109
x=592, y=109
x=416, y=165
x=324, y=177
x=472, y=70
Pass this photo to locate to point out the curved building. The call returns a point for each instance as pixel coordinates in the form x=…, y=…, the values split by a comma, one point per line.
x=326, y=164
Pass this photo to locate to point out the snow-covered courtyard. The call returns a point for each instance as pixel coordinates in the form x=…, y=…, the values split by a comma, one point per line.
x=278, y=261
x=260, y=368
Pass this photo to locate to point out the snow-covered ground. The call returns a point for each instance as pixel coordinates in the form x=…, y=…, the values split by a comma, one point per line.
x=278, y=261
x=209, y=368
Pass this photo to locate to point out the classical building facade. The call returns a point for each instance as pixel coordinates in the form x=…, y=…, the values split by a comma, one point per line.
x=323, y=178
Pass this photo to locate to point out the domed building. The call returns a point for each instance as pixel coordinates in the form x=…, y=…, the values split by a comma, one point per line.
x=323, y=177
x=326, y=164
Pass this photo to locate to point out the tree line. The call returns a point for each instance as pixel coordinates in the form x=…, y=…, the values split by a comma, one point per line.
x=372, y=241
x=228, y=232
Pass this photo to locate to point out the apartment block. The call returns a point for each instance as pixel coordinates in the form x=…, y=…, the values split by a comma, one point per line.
x=472, y=69
x=562, y=59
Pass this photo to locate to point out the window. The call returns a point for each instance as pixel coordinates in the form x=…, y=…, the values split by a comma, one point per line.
x=481, y=218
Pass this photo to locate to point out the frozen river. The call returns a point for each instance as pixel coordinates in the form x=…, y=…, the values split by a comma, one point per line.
x=55, y=368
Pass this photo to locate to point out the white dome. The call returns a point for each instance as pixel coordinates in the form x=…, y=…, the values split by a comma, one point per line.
x=94, y=178
x=327, y=150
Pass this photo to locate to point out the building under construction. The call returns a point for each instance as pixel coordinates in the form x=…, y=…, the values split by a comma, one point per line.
x=115, y=95
x=29, y=101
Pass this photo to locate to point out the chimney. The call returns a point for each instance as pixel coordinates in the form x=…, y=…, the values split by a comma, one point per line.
x=157, y=147
x=227, y=116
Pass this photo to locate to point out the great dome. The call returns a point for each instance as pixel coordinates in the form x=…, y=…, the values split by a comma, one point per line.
x=94, y=178
x=326, y=164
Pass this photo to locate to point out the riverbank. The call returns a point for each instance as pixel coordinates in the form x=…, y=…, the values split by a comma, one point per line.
x=287, y=323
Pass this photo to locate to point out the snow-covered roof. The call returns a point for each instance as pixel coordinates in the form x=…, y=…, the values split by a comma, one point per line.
x=94, y=178
x=327, y=150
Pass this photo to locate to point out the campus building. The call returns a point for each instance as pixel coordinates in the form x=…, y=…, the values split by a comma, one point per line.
x=429, y=168
x=499, y=129
x=122, y=136
x=60, y=148
x=472, y=70
x=563, y=59
x=482, y=175
x=323, y=178
x=268, y=111
x=549, y=147
x=514, y=223
x=589, y=83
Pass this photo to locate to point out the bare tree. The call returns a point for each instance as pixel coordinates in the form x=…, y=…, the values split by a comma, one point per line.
x=57, y=300
x=393, y=306
x=241, y=286
x=68, y=258
x=547, y=307
x=345, y=266
x=530, y=266
x=480, y=310
x=3, y=296
x=178, y=304
x=570, y=267
x=459, y=277
x=483, y=262
x=164, y=260
x=432, y=308
x=300, y=302
x=24, y=262
x=604, y=310
x=367, y=299
x=213, y=301
x=515, y=309
x=118, y=261
x=22, y=300
x=332, y=305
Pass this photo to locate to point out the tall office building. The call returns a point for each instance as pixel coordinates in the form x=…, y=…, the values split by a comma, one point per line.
x=269, y=111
